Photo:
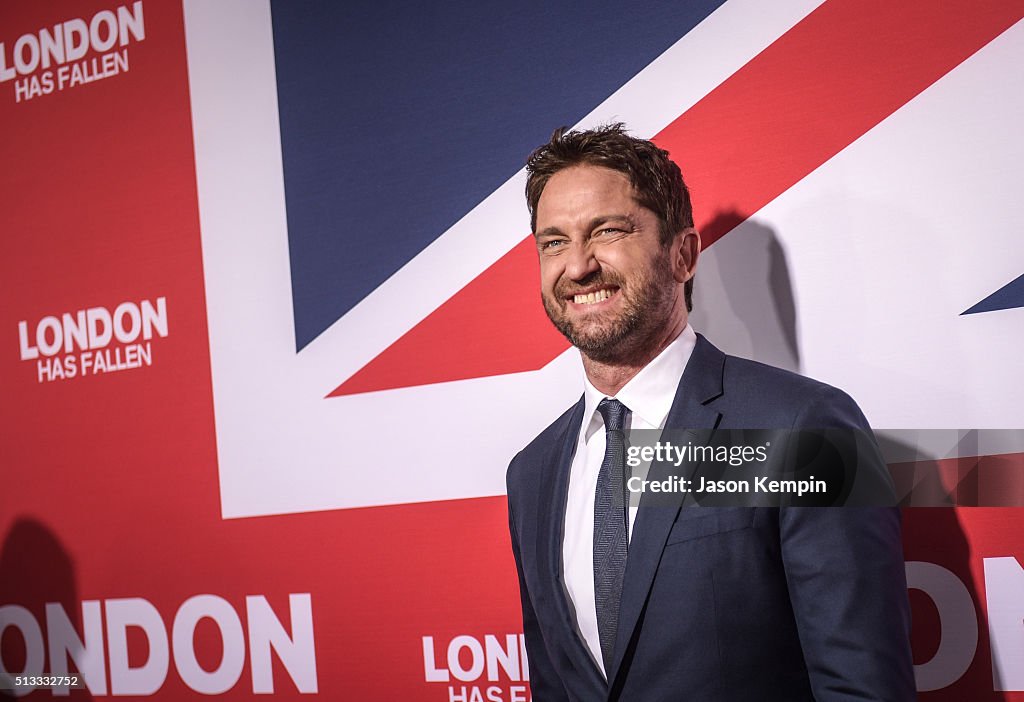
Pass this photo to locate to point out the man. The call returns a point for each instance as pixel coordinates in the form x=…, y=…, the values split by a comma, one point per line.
x=656, y=603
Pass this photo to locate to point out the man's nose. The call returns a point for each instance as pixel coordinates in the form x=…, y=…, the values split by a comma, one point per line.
x=581, y=262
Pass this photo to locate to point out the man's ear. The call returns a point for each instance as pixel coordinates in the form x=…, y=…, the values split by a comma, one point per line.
x=685, y=251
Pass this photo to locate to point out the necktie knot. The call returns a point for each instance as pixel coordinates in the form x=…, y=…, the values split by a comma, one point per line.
x=614, y=414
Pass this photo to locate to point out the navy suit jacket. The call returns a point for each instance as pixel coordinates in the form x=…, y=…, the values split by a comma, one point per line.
x=725, y=603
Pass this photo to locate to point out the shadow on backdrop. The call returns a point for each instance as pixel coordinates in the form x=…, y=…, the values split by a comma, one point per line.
x=743, y=293
x=36, y=569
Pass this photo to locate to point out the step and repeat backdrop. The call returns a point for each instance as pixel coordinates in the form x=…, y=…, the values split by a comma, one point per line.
x=270, y=328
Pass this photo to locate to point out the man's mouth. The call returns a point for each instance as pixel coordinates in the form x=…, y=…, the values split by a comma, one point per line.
x=594, y=296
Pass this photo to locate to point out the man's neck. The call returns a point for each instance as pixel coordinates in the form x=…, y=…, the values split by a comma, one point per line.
x=611, y=376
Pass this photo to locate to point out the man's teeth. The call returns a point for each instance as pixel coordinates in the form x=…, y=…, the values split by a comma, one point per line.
x=591, y=298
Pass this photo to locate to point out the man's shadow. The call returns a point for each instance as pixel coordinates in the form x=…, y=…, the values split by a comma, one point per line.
x=743, y=295
x=35, y=569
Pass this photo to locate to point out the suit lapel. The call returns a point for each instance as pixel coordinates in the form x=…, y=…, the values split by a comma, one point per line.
x=556, y=485
x=701, y=383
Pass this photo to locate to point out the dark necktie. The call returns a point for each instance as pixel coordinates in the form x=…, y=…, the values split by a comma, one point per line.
x=610, y=536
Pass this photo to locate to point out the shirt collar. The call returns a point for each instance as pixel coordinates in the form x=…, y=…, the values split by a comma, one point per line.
x=648, y=394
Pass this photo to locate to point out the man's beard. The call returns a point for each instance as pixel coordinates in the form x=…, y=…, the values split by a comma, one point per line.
x=646, y=305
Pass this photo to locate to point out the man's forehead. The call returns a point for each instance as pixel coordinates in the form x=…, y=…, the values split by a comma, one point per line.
x=586, y=186
x=588, y=176
x=584, y=192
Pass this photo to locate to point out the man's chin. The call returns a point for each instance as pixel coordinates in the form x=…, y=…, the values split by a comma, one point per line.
x=599, y=344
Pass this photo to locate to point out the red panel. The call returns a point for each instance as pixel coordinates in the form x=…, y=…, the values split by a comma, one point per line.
x=108, y=484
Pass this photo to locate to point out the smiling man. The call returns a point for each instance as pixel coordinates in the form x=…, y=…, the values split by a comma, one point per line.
x=655, y=601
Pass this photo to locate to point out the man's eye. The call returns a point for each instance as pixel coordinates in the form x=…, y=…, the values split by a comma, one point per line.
x=553, y=243
x=611, y=230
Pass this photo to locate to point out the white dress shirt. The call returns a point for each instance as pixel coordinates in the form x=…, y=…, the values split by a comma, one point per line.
x=649, y=396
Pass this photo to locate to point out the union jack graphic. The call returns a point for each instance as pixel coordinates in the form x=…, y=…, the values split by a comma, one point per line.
x=837, y=151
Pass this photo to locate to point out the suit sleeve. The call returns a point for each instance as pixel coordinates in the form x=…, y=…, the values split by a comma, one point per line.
x=847, y=581
x=545, y=684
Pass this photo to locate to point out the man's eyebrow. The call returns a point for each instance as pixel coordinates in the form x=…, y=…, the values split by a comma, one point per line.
x=548, y=231
x=593, y=224
x=604, y=219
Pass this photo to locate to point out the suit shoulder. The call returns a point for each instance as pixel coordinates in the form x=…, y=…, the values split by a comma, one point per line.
x=782, y=392
x=742, y=374
x=536, y=453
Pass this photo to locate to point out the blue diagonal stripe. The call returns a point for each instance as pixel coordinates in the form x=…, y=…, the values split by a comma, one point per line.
x=1007, y=297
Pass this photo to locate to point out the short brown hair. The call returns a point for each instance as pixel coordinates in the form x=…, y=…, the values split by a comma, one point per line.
x=657, y=181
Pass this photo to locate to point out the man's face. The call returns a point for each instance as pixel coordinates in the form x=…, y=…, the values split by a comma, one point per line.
x=607, y=282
